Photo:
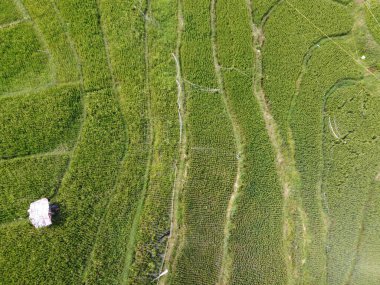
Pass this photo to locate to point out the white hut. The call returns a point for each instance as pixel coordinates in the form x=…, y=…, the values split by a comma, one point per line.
x=39, y=213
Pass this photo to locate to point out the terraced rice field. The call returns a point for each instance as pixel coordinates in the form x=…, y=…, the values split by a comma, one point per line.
x=191, y=142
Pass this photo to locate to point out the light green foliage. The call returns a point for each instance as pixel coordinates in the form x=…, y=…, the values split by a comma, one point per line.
x=23, y=61
x=82, y=19
x=39, y=122
x=24, y=180
x=47, y=18
x=89, y=118
x=283, y=52
x=258, y=213
x=8, y=12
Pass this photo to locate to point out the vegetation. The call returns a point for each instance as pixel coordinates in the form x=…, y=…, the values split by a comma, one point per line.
x=9, y=12
x=212, y=165
x=22, y=56
x=190, y=142
x=82, y=20
x=330, y=67
x=258, y=213
x=25, y=179
x=39, y=122
x=49, y=21
x=283, y=57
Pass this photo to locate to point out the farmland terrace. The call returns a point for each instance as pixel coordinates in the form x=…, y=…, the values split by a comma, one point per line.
x=191, y=142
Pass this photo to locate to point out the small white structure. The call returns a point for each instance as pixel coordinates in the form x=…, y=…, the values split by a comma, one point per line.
x=162, y=274
x=39, y=213
x=363, y=57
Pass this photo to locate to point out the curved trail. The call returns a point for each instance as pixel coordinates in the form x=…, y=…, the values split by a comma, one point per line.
x=173, y=241
x=13, y=24
x=225, y=270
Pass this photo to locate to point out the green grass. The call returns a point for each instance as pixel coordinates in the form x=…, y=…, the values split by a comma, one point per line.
x=24, y=180
x=9, y=12
x=24, y=62
x=40, y=122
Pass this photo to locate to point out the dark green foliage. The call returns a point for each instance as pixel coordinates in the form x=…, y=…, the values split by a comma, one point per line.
x=40, y=122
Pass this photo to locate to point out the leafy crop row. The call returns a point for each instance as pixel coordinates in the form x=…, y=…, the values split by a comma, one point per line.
x=256, y=231
x=28, y=179
x=326, y=67
x=39, y=122
x=351, y=114
x=112, y=252
x=82, y=20
x=49, y=22
x=155, y=217
x=23, y=61
x=284, y=50
x=211, y=169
